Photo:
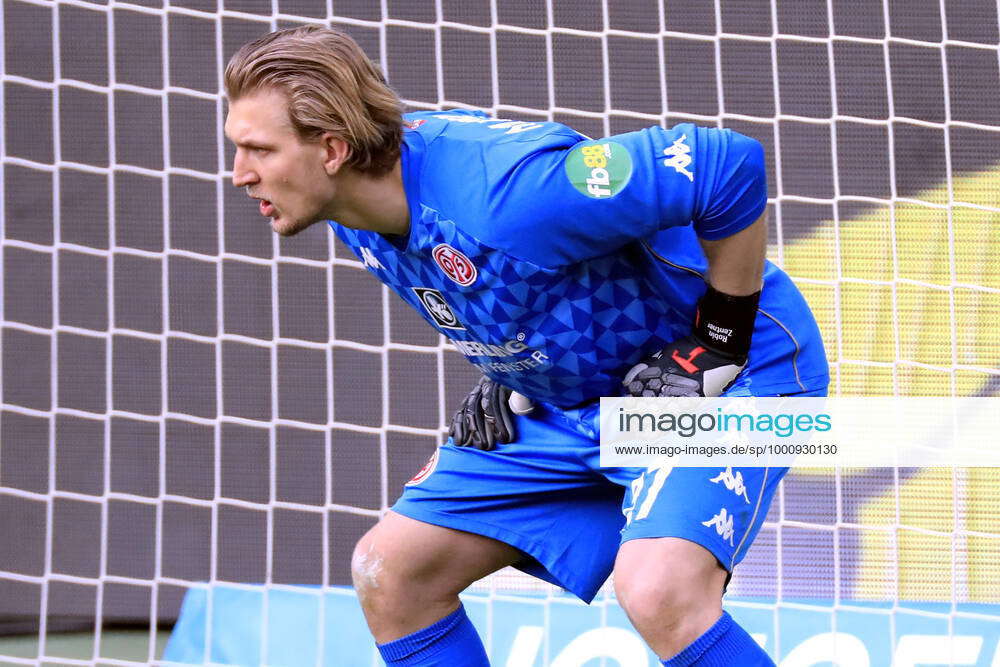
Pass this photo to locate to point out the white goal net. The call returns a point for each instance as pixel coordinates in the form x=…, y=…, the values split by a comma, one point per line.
x=188, y=400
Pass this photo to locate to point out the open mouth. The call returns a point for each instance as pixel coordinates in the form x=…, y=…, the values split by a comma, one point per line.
x=266, y=208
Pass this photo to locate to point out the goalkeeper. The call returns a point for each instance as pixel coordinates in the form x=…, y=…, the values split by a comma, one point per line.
x=566, y=269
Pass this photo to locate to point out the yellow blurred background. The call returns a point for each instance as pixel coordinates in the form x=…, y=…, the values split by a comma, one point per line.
x=918, y=289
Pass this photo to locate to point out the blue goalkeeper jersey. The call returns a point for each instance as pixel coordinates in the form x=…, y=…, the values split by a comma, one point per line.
x=555, y=263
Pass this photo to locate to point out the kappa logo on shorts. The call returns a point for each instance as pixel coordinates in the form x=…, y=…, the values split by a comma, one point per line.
x=455, y=265
x=426, y=471
x=733, y=482
x=723, y=522
x=435, y=305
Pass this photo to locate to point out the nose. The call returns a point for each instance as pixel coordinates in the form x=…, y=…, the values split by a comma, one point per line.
x=243, y=174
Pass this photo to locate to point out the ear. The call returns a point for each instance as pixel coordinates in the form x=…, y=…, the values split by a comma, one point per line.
x=336, y=152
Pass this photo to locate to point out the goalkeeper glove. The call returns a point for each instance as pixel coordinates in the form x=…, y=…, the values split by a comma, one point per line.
x=706, y=362
x=486, y=416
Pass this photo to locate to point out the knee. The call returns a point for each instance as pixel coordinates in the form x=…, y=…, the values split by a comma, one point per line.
x=399, y=591
x=386, y=589
x=388, y=574
x=664, y=603
x=670, y=589
x=367, y=567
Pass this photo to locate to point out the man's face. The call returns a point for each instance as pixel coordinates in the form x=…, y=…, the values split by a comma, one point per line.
x=276, y=166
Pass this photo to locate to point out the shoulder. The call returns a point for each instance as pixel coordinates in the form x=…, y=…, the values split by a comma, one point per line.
x=458, y=133
x=475, y=125
x=468, y=157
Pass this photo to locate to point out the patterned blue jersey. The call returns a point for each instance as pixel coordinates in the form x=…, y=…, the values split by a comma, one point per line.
x=555, y=263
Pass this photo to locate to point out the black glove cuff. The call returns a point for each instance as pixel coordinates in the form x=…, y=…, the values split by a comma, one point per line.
x=724, y=323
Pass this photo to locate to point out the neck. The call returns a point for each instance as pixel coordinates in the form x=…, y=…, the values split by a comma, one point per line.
x=375, y=203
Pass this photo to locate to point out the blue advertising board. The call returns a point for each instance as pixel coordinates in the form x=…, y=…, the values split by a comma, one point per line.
x=225, y=624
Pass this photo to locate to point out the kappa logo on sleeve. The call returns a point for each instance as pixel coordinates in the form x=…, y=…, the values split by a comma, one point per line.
x=599, y=170
x=678, y=157
x=435, y=305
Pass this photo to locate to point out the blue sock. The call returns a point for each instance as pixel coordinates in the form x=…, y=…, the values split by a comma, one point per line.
x=450, y=642
x=723, y=645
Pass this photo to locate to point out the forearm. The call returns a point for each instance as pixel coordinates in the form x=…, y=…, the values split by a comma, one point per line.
x=708, y=361
x=736, y=263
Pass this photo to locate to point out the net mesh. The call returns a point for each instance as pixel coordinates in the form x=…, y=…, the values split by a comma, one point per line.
x=187, y=398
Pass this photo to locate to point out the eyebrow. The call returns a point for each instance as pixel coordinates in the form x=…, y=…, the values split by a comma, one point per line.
x=253, y=144
x=226, y=133
x=248, y=143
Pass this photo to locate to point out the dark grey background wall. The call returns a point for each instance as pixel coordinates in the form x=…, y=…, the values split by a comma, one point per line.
x=171, y=371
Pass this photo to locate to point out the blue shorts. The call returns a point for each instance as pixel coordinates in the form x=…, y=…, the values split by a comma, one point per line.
x=547, y=495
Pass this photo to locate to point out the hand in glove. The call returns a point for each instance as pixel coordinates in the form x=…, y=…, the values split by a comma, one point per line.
x=486, y=416
x=706, y=362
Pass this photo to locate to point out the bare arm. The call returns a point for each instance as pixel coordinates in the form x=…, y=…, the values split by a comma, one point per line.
x=736, y=263
x=708, y=361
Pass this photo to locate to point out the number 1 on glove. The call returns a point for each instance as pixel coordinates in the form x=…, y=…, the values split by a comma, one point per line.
x=706, y=362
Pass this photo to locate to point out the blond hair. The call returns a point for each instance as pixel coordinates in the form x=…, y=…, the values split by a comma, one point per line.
x=331, y=86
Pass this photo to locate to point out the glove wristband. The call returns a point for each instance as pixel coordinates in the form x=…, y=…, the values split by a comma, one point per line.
x=724, y=323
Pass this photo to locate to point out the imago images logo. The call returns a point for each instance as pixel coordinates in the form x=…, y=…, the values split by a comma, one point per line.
x=455, y=265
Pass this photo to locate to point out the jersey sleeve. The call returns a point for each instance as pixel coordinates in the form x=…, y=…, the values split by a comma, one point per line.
x=564, y=204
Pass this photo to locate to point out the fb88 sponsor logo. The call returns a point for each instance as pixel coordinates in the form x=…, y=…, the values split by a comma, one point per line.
x=599, y=170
